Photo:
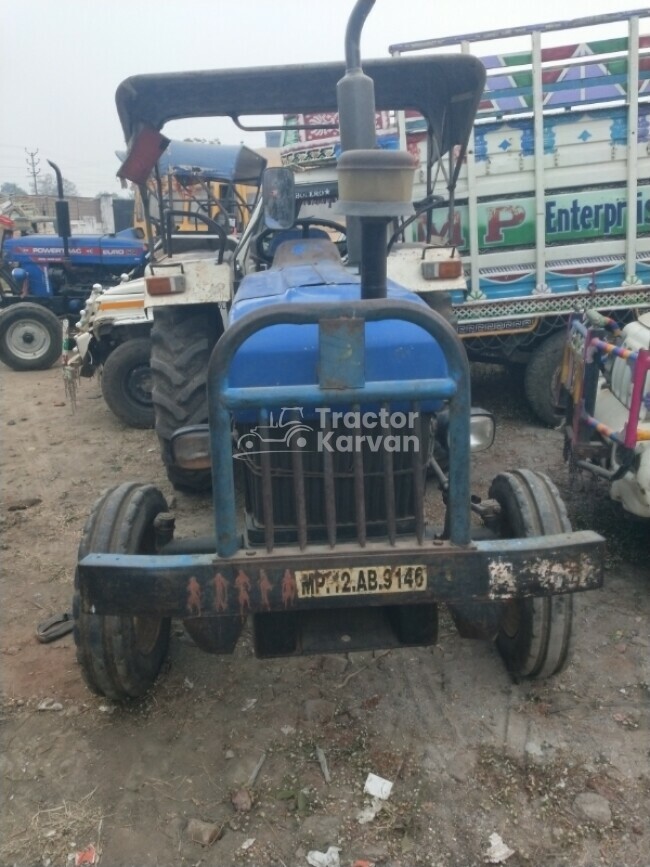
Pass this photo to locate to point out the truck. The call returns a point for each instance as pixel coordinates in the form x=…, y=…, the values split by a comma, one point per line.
x=551, y=207
x=49, y=277
x=191, y=181
x=553, y=199
x=332, y=551
x=605, y=391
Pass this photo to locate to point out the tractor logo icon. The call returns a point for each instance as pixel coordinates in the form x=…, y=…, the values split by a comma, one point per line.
x=289, y=432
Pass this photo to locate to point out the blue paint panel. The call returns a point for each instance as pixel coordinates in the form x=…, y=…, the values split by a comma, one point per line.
x=289, y=354
x=123, y=252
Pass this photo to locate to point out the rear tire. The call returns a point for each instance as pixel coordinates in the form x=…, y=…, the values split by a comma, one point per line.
x=541, y=379
x=182, y=340
x=534, y=635
x=126, y=383
x=31, y=337
x=8, y=285
x=120, y=656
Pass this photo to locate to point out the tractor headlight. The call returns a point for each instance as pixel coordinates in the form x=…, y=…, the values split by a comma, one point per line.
x=481, y=430
x=191, y=447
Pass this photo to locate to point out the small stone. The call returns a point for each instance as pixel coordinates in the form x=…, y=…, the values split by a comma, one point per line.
x=25, y=503
x=50, y=704
x=229, y=754
x=622, y=648
x=319, y=710
x=11, y=422
x=241, y=800
x=534, y=750
x=201, y=832
x=593, y=807
x=59, y=403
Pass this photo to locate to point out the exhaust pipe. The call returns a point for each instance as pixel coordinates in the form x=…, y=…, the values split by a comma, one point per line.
x=62, y=211
x=355, y=95
x=375, y=186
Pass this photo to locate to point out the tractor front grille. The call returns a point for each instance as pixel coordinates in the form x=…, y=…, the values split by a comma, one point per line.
x=298, y=491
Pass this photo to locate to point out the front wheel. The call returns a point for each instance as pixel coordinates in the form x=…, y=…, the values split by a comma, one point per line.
x=126, y=383
x=120, y=656
x=30, y=337
x=534, y=635
x=542, y=377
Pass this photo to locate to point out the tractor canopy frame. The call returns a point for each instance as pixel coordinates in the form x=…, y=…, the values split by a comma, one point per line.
x=444, y=89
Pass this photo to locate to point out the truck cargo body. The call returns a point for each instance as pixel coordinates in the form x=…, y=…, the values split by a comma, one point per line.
x=552, y=207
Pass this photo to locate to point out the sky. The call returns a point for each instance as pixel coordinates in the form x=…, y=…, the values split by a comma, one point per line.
x=64, y=59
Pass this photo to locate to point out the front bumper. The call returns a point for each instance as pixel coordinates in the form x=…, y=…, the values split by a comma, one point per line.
x=205, y=585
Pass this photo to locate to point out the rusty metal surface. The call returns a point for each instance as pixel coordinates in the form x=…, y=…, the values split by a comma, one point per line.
x=342, y=353
x=205, y=585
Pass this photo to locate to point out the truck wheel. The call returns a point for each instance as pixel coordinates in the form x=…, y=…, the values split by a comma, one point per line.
x=534, y=633
x=120, y=656
x=126, y=383
x=182, y=339
x=30, y=337
x=541, y=378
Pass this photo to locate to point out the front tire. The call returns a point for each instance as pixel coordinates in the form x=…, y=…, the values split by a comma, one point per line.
x=30, y=337
x=182, y=340
x=120, y=656
x=534, y=635
x=126, y=383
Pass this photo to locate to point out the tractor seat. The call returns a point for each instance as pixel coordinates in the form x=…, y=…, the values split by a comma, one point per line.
x=293, y=235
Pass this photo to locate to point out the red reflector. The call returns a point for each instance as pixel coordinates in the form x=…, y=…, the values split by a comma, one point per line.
x=450, y=269
x=165, y=285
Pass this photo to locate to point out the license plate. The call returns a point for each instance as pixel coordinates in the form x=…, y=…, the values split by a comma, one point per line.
x=317, y=583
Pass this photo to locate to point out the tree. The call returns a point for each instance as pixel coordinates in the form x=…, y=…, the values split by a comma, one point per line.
x=11, y=189
x=47, y=187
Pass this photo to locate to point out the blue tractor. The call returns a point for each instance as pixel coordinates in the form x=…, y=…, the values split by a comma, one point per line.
x=51, y=278
x=352, y=393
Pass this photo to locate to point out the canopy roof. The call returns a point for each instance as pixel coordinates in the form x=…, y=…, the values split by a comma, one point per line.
x=445, y=89
x=212, y=162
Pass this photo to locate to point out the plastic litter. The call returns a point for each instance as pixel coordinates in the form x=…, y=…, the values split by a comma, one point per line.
x=378, y=787
x=370, y=811
x=498, y=851
x=85, y=856
x=324, y=859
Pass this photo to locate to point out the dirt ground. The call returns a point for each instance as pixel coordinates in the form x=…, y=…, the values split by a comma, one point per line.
x=560, y=770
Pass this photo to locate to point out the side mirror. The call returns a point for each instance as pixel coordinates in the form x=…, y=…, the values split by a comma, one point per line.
x=279, y=198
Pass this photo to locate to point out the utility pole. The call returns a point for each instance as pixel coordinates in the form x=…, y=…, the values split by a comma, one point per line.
x=32, y=164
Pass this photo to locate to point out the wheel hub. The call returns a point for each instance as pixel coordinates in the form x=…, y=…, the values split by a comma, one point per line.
x=139, y=385
x=28, y=339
